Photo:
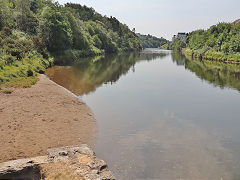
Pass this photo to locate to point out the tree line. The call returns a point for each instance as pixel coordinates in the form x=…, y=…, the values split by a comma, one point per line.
x=149, y=41
x=219, y=42
x=34, y=31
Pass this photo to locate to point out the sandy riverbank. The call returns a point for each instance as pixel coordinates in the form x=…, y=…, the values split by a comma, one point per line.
x=44, y=116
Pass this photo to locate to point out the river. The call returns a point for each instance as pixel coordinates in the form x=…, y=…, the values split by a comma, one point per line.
x=160, y=115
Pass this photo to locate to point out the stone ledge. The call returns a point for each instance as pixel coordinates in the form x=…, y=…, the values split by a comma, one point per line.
x=81, y=158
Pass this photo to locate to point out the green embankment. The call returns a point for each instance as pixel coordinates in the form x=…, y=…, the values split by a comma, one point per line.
x=220, y=42
x=34, y=34
x=213, y=55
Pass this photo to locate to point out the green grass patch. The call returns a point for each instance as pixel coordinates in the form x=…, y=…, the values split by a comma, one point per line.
x=212, y=55
x=6, y=91
x=21, y=82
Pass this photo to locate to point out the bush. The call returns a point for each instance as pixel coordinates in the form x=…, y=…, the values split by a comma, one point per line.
x=8, y=59
x=7, y=31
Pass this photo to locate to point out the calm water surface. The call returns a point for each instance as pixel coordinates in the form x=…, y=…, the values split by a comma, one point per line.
x=161, y=116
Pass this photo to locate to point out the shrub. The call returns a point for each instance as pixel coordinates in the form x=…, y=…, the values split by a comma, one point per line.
x=7, y=91
x=8, y=59
x=7, y=31
x=23, y=82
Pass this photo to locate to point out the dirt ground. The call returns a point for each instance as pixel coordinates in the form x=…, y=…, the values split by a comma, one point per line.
x=44, y=116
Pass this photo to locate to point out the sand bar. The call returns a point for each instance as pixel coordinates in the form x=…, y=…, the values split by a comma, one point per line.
x=44, y=116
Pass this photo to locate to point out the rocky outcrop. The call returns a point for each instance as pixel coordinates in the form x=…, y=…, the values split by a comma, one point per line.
x=81, y=158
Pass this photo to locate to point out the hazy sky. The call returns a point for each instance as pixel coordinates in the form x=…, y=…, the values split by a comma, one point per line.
x=164, y=18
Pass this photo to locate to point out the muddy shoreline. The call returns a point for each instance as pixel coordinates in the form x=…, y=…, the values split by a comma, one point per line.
x=44, y=116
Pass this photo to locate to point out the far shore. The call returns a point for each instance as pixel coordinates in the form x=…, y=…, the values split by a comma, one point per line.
x=44, y=116
x=200, y=57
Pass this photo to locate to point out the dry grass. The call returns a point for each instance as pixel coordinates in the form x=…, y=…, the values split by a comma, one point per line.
x=59, y=171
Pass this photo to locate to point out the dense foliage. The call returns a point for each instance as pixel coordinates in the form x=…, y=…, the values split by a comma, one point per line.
x=221, y=41
x=178, y=44
x=33, y=30
x=150, y=41
x=21, y=55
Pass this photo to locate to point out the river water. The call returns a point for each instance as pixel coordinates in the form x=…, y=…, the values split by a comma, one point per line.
x=160, y=115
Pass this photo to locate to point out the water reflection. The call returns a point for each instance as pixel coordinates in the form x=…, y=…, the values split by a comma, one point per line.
x=219, y=74
x=90, y=73
x=156, y=120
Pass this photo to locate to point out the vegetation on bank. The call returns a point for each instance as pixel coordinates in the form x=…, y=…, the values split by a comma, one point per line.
x=20, y=56
x=166, y=46
x=35, y=33
x=219, y=42
x=149, y=41
x=219, y=74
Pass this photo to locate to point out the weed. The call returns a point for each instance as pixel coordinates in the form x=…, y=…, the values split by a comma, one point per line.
x=22, y=82
x=7, y=91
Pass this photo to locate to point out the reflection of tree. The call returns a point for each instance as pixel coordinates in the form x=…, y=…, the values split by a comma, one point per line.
x=91, y=73
x=178, y=58
x=150, y=55
x=219, y=74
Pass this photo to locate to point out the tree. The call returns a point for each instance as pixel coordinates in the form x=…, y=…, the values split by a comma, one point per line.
x=97, y=42
x=55, y=30
x=6, y=18
x=26, y=20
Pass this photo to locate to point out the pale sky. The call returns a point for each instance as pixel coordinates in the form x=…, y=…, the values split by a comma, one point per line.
x=164, y=18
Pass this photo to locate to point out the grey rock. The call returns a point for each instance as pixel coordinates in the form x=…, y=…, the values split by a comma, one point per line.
x=97, y=164
x=70, y=150
x=21, y=165
x=92, y=168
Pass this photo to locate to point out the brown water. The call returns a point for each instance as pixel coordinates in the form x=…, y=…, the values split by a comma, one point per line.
x=161, y=116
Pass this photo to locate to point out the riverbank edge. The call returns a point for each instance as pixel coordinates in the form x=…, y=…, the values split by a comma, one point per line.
x=22, y=73
x=193, y=55
x=7, y=169
x=47, y=94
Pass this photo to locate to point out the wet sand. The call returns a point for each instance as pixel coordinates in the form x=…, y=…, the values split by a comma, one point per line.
x=41, y=117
